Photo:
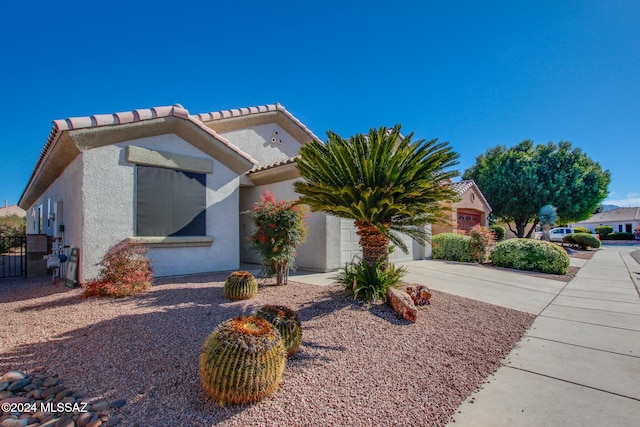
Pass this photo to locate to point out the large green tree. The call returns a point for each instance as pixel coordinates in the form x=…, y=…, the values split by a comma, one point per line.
x=520, y=180
x=387, y=183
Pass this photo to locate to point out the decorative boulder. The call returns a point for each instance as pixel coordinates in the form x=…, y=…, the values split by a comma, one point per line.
x=419, y=294
x=402, y=304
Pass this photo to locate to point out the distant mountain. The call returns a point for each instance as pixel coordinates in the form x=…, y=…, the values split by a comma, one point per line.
x=609, y=207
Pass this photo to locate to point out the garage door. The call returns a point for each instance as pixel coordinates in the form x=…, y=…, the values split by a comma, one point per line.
x=467, y=220
x=350, y=247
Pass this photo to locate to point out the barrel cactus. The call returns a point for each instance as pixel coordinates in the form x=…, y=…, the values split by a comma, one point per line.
x=242, y=361
x=288, y=324
x=240, y=285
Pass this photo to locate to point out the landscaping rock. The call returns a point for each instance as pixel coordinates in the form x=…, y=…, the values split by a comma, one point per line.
x=40, y=390
x=402, y=304
x=12, y=376
x=17, y=385
x=419, y=294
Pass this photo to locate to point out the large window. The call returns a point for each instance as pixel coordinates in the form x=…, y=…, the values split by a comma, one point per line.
x=170, y=202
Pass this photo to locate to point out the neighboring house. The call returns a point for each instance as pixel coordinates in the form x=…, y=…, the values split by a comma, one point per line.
x=470, y=210
x=620, y=219
x=179, y=183
x=9, y=210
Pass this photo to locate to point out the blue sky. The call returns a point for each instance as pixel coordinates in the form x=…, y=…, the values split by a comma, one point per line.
x=476, y=74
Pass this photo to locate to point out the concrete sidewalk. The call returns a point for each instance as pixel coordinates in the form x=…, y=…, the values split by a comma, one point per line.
x=579, y=364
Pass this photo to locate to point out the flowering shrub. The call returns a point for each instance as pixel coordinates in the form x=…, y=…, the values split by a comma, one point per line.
x=636, y=231
x=279, y=229
x=125, y=271
x=482, y=239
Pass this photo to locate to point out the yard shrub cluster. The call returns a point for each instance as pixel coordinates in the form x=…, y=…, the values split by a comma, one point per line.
x=279, y=229
x=11, y=226
x=583, y=240
x=604, y=230
x=369, y=283
x=126, y=271
x=499, y=232
x=581, y=230
x=452, y=247
x=482, y=240
x=619, y=236
x=530, y=255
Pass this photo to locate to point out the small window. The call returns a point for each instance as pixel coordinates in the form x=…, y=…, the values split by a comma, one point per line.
x=620, y=228
x=170, y=202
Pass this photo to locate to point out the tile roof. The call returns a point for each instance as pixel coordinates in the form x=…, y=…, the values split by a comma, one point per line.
x=284, y=162
x=260, y=109
x=614, y=215
x=126, y=117
x=12, y=210
x=462, y=187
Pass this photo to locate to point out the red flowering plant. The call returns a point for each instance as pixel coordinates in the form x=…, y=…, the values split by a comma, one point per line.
x=126, y=271
x=482, y=241
x=279, y=229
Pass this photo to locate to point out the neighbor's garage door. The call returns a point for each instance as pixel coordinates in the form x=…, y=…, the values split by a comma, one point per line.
x=467, y=220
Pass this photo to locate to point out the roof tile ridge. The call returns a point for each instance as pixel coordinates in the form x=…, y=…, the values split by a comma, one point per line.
x=121, y=117
x=235, y=112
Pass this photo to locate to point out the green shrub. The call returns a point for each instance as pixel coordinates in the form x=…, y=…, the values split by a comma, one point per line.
x=530, y=255
x=13, y=225
x=452, y=247
x=369, y=283
x=126, y=271
x=619, y=236
x=242, y=361
x=287, y=322
x=581, y=230
x=240, y=285
x=499, y=231
x=482, y=240
x=583, y=240
x=604, y=230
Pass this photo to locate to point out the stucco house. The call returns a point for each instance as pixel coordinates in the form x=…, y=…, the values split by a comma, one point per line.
x=621, y=220
x=471, y=209
x=9, y=210
x=179, y=183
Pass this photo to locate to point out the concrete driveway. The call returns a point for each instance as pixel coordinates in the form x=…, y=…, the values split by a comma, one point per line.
x=579, y=364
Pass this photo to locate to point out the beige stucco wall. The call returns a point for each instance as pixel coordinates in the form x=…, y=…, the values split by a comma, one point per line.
x=67, y=188
x=317, y=253
x=109, y=203
x=258, y=142
x=471, y=200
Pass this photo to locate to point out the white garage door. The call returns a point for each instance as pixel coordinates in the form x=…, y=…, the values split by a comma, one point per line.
x=350, y=247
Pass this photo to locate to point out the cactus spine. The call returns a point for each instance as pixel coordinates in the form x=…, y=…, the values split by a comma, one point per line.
x=242, y=361
x=286, y=322
x=240, y=285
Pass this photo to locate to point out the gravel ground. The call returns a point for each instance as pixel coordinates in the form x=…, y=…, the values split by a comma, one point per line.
x=357, y=366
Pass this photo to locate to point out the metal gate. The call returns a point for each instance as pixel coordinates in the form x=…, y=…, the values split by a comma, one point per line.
x=13, y=256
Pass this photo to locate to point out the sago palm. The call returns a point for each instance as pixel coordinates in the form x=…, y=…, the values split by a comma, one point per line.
x=385, y=182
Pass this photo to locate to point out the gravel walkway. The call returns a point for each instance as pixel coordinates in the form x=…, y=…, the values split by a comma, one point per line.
x=356, y=366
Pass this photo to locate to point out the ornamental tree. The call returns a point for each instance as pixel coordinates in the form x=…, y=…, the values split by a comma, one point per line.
x=384, y=181
x=279, y=229
x=520, y=180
